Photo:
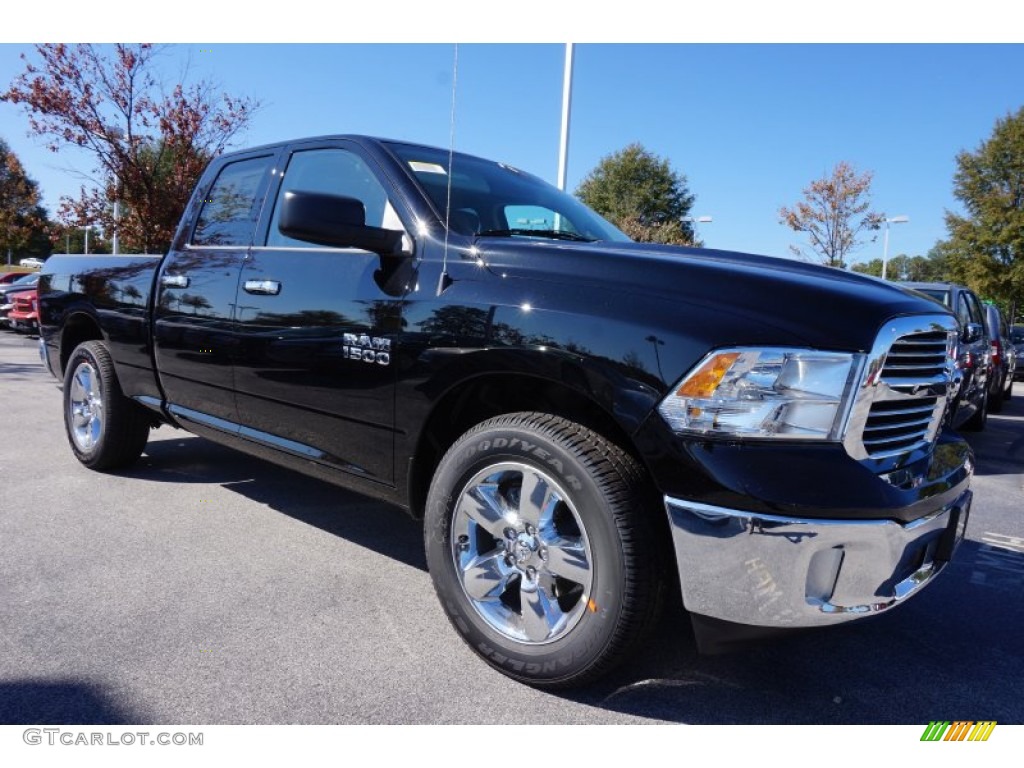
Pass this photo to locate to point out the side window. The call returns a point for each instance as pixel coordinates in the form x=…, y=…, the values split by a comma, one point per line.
x=229, y=213
x=963, y=312
x=977, y=316
x=335, y=172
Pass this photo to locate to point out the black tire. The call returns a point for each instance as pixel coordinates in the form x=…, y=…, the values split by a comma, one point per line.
x=106, y=430
x=995, y=400
x=1008, y=392
x=978, y=421
x=595, y=584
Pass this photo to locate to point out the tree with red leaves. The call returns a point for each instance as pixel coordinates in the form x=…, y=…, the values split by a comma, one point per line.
x=834, y=214
x=150, y=146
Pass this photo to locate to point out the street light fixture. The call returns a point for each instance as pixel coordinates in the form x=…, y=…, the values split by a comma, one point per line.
x=885, y=248
x=695, y=220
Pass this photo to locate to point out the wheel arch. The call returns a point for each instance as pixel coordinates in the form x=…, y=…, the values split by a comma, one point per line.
x=495, y=393
x=79, y=326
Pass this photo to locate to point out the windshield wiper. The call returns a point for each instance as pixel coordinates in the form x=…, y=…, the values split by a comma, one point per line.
x=554, y=234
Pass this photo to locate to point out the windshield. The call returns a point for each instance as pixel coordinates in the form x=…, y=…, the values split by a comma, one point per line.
x=27, y=280
x=492, y=199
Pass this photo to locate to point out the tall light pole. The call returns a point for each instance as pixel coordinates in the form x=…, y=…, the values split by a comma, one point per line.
x=117, y=221
x=116, y=132
x=563, y=149
x=885, y=248
x=87, y=228
x=695, y=220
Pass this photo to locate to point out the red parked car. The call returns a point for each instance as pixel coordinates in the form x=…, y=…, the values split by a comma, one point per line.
x=9, y=277
x=24, y=317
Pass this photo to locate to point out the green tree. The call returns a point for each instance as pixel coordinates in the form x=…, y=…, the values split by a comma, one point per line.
x=835, y=215
x=986, y=244
x=21, y=217
x=930, y=268
x=39, y=242
x=640, y=194
x=873, y=268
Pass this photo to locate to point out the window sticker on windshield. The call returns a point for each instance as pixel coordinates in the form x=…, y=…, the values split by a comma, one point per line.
x=421, y=167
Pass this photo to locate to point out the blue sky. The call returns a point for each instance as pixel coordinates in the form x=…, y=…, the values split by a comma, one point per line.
x=748, y=124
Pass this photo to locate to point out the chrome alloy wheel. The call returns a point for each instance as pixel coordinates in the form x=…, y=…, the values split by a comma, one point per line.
x=86, y=407
x=521, y=553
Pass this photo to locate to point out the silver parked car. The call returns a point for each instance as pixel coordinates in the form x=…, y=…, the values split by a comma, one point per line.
x=1017, y=339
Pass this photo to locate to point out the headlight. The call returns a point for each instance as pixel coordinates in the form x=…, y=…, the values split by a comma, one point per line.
x=764, y=393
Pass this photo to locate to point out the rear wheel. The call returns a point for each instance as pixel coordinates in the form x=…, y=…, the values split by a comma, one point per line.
x=106, y=430
x=539, y=548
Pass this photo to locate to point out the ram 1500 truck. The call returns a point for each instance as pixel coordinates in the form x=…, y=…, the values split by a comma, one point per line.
x=578, y=419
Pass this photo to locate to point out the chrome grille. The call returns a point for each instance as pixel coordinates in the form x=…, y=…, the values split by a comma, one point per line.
x=893, y=427
x=922, y=355
x=914, y=364
x=905, y=393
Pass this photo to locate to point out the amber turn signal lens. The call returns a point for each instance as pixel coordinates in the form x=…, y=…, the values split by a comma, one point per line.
x=705, y=381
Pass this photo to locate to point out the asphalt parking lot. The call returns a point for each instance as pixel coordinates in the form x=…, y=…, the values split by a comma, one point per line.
x=204, y=586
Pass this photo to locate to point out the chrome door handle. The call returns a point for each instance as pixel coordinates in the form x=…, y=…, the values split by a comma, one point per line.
x=174, y=281
x=264, y=287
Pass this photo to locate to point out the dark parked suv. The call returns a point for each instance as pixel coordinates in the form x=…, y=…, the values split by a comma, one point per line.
x=1004, y=359
x=973, y=356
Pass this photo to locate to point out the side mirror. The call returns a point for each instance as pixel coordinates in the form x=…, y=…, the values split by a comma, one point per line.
x=973, y=332
x=335, y=221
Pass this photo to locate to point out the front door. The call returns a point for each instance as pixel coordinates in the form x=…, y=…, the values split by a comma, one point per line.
x=314, y=373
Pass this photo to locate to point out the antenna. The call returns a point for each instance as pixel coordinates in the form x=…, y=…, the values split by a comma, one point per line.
x=444, y=280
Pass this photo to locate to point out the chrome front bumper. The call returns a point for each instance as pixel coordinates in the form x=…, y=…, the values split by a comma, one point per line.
x=770, y=571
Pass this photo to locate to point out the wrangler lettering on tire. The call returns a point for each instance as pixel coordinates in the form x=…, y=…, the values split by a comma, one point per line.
x=539, y=548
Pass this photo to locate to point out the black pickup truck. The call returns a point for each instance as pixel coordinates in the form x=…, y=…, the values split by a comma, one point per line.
x=579, y=419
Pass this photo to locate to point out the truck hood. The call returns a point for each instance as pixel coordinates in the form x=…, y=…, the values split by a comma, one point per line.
x=822, y=306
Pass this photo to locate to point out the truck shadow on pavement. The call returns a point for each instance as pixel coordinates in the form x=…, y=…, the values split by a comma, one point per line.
x=999, y=448
x=954, y=652
x=21, y=371
x=59, y=702
x=373, y=524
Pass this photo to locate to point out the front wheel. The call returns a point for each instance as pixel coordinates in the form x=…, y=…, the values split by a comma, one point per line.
x=106, y=430
x=539, y=547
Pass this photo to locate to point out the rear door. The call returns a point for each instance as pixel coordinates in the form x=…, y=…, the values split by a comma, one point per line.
x=314, y=373
x=194, y=341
